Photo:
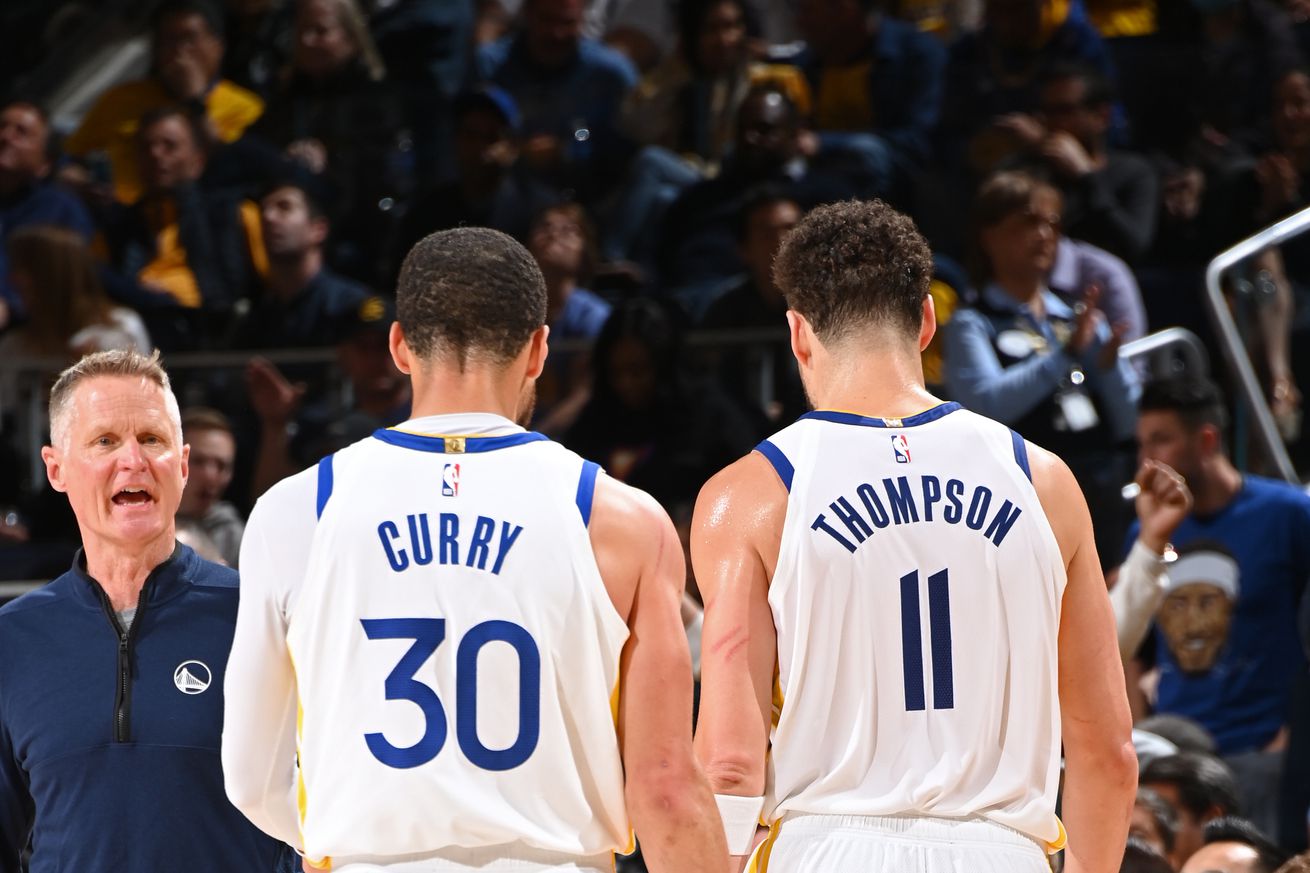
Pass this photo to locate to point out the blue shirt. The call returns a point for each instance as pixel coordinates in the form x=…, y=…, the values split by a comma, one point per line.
x=976, y=377
x=583, y=315
x=1243, y=699
x=42, y=203
x=107, y=774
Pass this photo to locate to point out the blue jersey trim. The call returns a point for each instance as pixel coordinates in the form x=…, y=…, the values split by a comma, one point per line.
x=587, y=489
x=774, y=456
x=324, y=483
x=473, y=444
x=913, y=421
x=1021, y=454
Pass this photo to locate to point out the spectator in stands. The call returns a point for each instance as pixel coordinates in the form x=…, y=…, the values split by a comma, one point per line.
x=213, y=454
x=1023, y=356
x=1142, y=857
x=1110, y=195
x=337, y=115
x=646, y=423
x=187, y=247
x=684, y=113
x=563, y=242
x=877, y=84
x=491, y=187
x=569, y=89
x=295, y=431
x=1200, y=789
x=1234, y=845
x=1183, y=732
x=996, y=72
x=756, y=302
x=187, y=54
x=698, y=253
x=1235, y=677
x=1154, y=822
x=300, y=302
x=427, y=43
x=27, y=194
x=259, y=35
x=68, y=313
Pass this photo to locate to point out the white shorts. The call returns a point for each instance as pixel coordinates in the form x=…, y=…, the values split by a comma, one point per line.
x=895, y=844
x=514, y=858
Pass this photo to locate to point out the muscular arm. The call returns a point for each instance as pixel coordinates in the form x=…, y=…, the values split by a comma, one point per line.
x=1100, y=765
x=668, y=797
x=735, y=534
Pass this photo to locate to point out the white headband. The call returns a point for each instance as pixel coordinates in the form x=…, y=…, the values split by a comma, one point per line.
x=1210, y=568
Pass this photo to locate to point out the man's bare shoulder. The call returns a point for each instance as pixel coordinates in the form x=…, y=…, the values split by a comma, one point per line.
x=1061, y=497
x=746, y=493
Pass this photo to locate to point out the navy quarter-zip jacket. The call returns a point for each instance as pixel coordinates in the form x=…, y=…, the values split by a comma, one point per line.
x=110, y=741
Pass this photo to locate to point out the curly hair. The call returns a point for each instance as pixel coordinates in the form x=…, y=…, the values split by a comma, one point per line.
x=471, y=293
x=854, y=264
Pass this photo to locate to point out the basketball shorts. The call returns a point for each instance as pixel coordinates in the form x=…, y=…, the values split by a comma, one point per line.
x=895, y=844
x=493, y=859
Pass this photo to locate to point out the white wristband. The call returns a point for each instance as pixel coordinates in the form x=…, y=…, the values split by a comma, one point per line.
x=741, y=815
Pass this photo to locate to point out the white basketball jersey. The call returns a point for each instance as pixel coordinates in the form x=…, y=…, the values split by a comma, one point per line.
x=456, y=653
x=917, y=606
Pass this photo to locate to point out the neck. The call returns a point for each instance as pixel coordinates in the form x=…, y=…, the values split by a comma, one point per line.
x=122, y=573
x=1026, y=289
x=1216, y=487
x=559, y=287
x=288, y=276
x=444, y=390
x=895, y=391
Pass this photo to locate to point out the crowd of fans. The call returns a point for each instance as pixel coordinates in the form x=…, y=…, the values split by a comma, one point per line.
x=1075, y=164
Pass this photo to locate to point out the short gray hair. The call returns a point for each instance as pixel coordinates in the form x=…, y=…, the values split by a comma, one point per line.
x=125, y=363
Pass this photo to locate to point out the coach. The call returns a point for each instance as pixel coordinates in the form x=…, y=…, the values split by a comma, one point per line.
x=111, y=676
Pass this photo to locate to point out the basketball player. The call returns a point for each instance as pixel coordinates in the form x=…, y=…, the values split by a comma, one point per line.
x=903, y=605
x=434, y=622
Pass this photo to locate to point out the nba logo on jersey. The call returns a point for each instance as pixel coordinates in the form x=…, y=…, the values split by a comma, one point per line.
x=901, y=446
x=450, y=481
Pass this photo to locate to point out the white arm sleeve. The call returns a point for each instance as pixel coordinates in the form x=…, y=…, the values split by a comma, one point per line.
x=1136, y=596
x=259, y=693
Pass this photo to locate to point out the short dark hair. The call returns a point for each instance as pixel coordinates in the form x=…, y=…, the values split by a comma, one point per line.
x=1231, y=829
x=53, y=142
x=1188, y=735
x=757, y=198
x=855, y=263
x=1142, y=857
x=196, y=419
x=309, y=189
x=194, y=121
x=1097, y=90
x=1202, y=782
x=1164, y=816
x=1002, y=194
x=690, y=18
x=1194, y=399
x=471, y=292
x=212, y=15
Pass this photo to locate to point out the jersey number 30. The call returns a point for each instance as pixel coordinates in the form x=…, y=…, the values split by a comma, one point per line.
x=428, y=634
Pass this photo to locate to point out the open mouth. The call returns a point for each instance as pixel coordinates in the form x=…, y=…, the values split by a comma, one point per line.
x=132, y=497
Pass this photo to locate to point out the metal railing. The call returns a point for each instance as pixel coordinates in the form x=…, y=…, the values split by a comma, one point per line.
x=1230, y=339
x=1168, y=352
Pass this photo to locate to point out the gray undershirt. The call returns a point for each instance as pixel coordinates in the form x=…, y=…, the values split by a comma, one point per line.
x=125, y=618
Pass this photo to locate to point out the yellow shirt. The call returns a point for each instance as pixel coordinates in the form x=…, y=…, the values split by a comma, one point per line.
x=169, y=271
x=111, y=125
x=844, y=101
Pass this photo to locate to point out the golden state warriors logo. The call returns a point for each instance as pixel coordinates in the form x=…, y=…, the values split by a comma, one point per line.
x=192, y=677
x=901, y=448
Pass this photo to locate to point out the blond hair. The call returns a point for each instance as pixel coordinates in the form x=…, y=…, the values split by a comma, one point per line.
x=355, y=23
x=120, y=363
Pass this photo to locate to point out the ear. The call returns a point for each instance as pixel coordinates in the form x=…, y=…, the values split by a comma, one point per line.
x=54, y=468
x=186, y=463
x=928, y=329
x=319, y=229
x=400, y=352
x=538, y=349
x=802, y=338
x=1210, y=441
